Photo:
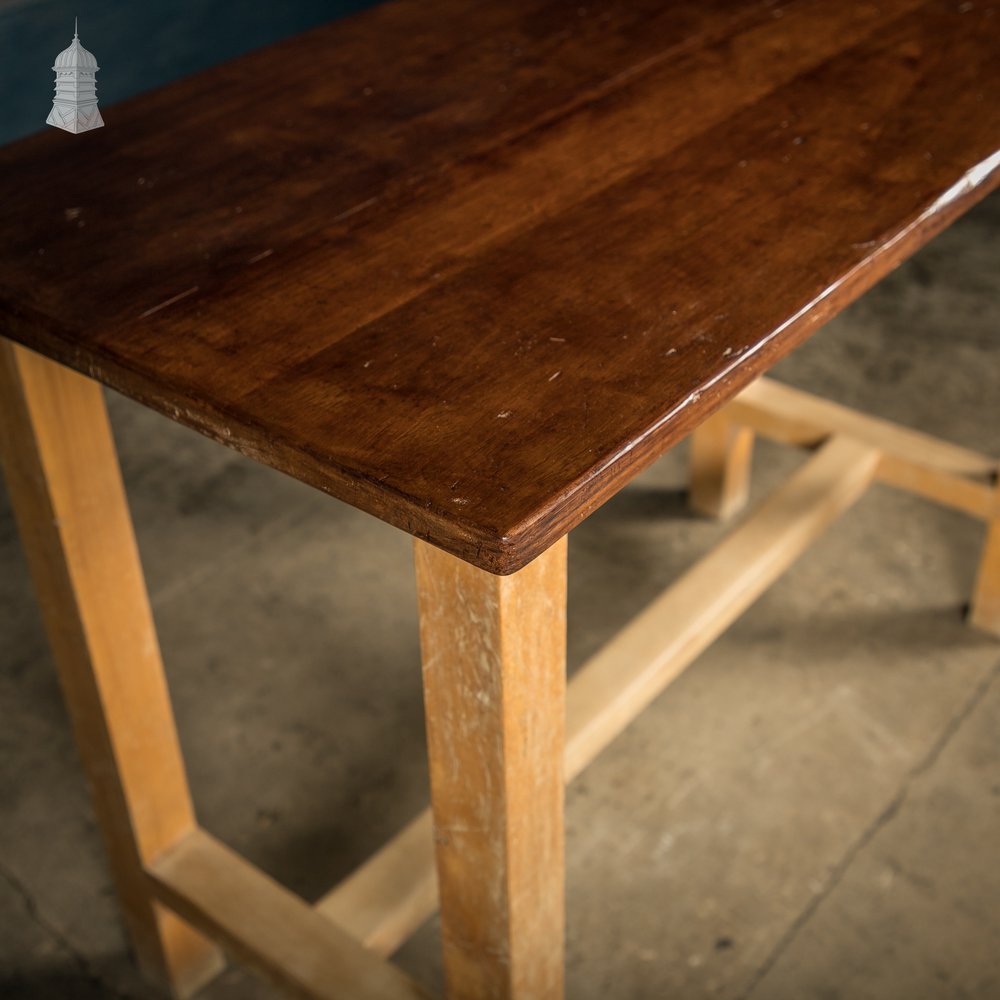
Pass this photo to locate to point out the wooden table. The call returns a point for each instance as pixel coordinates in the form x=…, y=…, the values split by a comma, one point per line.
x=470, y=267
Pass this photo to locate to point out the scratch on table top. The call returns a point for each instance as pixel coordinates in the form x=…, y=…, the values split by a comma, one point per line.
x=168, y=302
x=360, y=207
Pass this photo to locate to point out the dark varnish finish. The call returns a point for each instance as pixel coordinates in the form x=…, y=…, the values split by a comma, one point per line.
x=470, y=266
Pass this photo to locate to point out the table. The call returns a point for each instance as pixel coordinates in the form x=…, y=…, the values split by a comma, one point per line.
x=470, y=268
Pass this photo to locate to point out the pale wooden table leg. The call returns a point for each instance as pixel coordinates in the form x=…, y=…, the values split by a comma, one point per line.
x=494, y=656
x=65, y=486
x=721, y=452
x=985, y=611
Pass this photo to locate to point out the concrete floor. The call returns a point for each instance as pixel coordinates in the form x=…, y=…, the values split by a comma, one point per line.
x=811, y=811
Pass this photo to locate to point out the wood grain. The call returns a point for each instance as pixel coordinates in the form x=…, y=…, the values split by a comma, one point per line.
x=65, y=487
x=470, y=267
x=494, y=667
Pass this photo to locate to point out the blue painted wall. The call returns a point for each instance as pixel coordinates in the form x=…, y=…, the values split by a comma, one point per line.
x=139, y=44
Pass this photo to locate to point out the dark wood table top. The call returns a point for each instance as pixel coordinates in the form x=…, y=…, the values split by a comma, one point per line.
x=472, y=266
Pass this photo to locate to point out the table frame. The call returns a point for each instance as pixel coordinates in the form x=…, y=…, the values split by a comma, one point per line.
x=493, y=651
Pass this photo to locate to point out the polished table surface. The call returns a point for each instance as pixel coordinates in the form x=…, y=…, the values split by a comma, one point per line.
x=471, y=266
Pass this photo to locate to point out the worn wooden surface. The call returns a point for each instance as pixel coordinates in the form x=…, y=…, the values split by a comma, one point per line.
x=471, y=266
x=494, y=668
x=61, y=470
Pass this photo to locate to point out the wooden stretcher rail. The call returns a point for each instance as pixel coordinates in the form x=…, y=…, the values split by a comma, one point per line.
x=943, y=472
x=388, y=897
x=269, y=927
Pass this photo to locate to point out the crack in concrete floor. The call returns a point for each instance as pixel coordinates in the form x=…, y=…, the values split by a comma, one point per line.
x=890, y=812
